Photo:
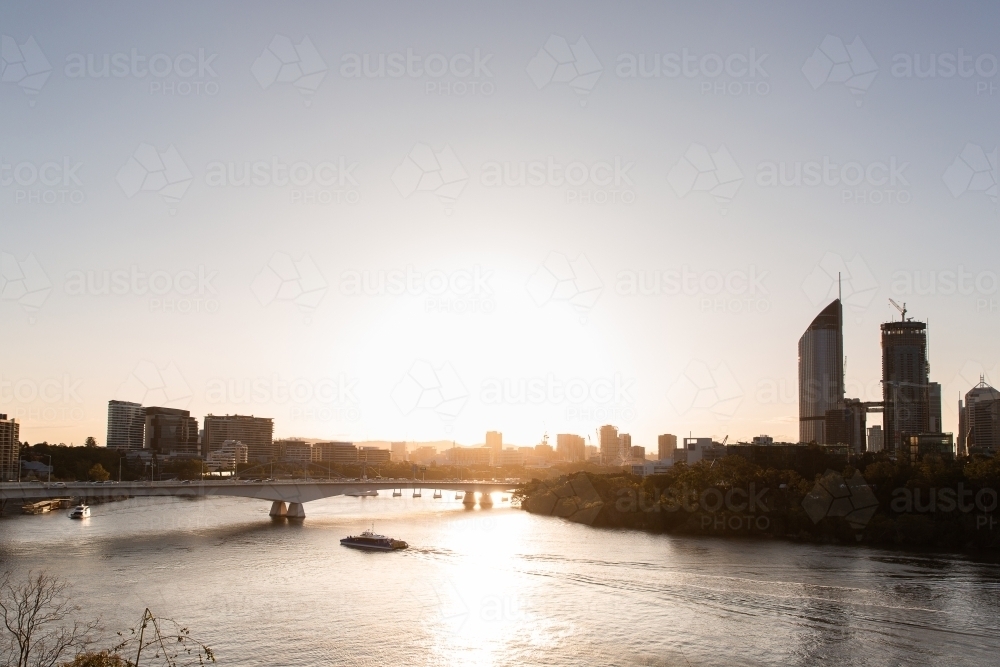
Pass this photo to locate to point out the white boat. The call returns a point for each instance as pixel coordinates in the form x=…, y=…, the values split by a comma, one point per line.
x=79, y=512
x=367, y=493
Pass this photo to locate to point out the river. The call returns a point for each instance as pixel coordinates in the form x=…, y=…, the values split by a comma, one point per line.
x=503, y=587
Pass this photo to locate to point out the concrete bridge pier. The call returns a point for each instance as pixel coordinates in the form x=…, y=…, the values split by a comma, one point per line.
x=278, y=510
x=295, y=511
x=469, y=499
x=485, y=500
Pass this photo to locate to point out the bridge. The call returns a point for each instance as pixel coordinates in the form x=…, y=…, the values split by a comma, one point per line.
x=287, y=497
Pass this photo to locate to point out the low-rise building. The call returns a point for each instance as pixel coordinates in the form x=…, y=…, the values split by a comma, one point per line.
x=512, y=456
x=470, y=456
x=374, y=455
x=300, y=451
x=570, y=447
x=337, y=453
x=226, y=457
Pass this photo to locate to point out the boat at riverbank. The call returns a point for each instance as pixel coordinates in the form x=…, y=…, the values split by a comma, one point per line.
x=80, y=512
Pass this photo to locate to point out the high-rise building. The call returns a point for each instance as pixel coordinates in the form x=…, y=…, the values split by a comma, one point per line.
x=637, y=454
x=257, y=433
x=934, y=407
x=624, y=447
x=341, y=453
x=170, y=431
x=398, y=451
x=875, y=438
x=610, y=445
x=570, y=447
x=979, y=421
x=10, y=448
x=666, y=444
x=126, y=425
x=374, y=455
x=494, y=440
x=905, y=389
x=821, y=372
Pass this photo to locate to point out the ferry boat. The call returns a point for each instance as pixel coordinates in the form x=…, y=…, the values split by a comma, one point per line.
x=373, y=541
x=79, y=512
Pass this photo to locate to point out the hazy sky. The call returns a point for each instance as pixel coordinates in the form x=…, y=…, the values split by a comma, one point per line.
x=380, y=221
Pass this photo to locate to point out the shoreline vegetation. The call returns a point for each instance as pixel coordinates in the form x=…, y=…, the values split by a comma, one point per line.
x=873, y=501
x=39, y=627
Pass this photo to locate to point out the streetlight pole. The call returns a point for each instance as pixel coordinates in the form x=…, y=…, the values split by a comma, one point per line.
x=120, y=459
x=50, y=468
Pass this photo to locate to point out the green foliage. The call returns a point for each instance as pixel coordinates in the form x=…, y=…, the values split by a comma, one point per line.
x=915, y=502
x=97, y=473
x=90, y=442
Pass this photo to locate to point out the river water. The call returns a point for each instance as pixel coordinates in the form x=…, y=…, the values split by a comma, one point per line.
x=503, y=587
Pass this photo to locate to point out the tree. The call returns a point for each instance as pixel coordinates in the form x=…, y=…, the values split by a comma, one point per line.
x=97, y=473
x=90, y=442
x=36, y=614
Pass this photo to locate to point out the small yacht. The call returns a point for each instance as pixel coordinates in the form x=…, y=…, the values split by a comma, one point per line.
x=373, y=541
x=79, y=512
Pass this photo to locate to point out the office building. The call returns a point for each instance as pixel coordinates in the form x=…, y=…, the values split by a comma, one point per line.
x=512, y=456
x=299, y=451
x=762, y=440
x=494, y=440
x=934, y=407
x=624, y=448
x=694, y=450
x=875, y=438
x=610, y=445
x=470, y=456
x=924, y=444
x=337, y=453
x=847, y=425
x=126, y=425
x=666, y=444
x=226, y=457
x=10, y=448
x=978, y=426
x=171, y=432
x=398, y=451
x=637, y=454
x=905, y=388
x=374, y=455
x=257, y=433
x=570, y=447
x=821, y=372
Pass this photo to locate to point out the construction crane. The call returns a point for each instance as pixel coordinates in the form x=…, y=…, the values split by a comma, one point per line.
x=901, y=309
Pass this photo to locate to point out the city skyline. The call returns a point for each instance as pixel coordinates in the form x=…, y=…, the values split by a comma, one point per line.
x=180, y=286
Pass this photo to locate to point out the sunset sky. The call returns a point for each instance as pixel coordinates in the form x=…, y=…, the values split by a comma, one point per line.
x=395, y=224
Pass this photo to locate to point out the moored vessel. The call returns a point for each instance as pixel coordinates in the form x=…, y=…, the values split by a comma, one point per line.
x=79, y=512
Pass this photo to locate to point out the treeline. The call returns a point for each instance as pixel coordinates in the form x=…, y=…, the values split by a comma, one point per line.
x=874, y=500
x=81, y=464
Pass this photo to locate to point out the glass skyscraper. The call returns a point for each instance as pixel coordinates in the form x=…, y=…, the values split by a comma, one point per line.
x=821, y=372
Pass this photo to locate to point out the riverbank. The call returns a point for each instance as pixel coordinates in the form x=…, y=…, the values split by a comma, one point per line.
x=935, y=504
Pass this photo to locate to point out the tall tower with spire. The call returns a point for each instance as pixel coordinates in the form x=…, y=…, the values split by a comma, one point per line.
x=821, y=372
